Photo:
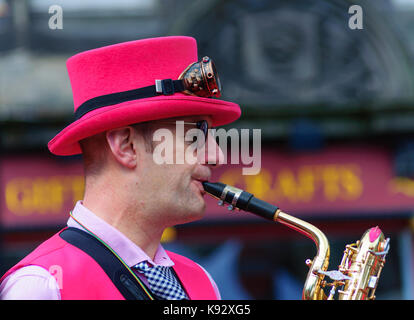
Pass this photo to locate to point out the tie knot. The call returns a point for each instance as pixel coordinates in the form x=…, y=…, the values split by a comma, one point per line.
x=162, y=281
x=143, y=266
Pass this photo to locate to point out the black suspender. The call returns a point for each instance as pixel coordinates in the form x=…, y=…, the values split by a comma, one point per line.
x=116, y=271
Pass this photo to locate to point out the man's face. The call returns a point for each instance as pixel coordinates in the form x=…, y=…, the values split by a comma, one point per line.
x=173, y=191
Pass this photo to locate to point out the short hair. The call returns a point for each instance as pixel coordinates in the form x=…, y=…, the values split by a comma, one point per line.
x=146, y=130
x=95, y=148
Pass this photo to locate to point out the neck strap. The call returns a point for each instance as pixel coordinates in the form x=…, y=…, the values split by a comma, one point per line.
x=127, y=277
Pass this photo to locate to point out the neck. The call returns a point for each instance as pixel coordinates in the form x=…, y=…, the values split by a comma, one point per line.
x=130, y=219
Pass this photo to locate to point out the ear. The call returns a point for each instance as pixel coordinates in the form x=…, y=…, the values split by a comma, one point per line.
x=123, y=147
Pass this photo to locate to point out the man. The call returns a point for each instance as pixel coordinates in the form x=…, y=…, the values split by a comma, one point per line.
x=111, y=248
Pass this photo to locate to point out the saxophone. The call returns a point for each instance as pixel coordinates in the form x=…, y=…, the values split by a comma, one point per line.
x=360, y=267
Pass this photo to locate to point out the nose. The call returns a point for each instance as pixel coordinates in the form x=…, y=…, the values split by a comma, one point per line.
x=213, y=154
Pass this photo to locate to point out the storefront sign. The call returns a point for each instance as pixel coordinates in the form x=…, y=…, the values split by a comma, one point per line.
x=41, y=190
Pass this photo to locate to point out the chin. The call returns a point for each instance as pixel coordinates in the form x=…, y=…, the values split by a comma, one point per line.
x=191, y=207
x=193, y=212
x=196, y=212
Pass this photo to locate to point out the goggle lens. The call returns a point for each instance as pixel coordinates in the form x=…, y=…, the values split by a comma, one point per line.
x=201, y=79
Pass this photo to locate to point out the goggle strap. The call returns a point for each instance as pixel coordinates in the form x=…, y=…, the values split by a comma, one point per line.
x=161, y=87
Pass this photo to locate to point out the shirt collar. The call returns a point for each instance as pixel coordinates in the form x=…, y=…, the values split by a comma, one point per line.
x=124, y=247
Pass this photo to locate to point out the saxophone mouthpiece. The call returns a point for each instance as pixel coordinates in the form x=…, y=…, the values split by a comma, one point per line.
x=215, y=189
x=240, y=199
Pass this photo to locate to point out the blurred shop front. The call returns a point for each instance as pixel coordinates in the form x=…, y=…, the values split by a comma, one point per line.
x=343, y=190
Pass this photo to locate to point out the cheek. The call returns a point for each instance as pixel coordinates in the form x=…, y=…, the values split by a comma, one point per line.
x=163, y=177
x=167, y=177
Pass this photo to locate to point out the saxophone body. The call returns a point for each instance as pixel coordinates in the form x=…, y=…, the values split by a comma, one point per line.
x=361, y=265
x=363, y=262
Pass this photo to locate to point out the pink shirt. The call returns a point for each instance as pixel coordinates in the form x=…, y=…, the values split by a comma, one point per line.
x=36, y=283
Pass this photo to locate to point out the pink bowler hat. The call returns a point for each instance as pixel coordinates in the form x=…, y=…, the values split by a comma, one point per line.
x=103, y=79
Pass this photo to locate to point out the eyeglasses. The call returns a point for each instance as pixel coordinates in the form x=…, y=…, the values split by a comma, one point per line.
x=202, y=125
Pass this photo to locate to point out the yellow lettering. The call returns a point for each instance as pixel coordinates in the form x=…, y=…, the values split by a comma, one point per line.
x=232, y=177
x=306, y=183
x=402, y=185
x=330, y=182
x=351, y=182
x=18, y=196
x=25, y=196
x=47, y=195
x=333, y=181
x=287, y=185
x=260, y=184
x=75, y=186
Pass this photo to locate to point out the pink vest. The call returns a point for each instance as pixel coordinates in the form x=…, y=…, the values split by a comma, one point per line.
x=84, y=279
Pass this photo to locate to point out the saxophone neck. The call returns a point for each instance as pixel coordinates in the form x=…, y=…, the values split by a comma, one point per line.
x=312, y=288
x=303, y=227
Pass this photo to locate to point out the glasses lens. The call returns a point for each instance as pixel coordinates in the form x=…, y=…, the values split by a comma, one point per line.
x=201, y=136
x=203, y=126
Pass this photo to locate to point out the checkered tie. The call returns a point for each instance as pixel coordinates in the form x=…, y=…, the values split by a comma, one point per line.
x=162, y=281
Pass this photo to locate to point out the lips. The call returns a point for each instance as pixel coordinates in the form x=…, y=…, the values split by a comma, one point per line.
x=199, y=185
x=202, y=174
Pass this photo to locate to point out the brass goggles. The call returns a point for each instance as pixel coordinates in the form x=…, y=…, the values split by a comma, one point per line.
x=198, y=79
x=201, y=79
